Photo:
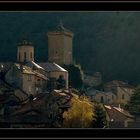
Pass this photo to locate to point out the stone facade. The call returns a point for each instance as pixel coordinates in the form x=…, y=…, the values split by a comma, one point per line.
x=105, y=97
x=25, y=78
x=60, y=46
x=25, y=52
x=92, y=80
x=122, y=90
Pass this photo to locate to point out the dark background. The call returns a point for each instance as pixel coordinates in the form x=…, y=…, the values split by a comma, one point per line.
x=108, y=42
x=63, y=133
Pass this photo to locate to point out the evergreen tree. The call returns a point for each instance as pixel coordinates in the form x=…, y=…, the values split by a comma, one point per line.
x=75, y=75
x=99, y=118
x=133, y=106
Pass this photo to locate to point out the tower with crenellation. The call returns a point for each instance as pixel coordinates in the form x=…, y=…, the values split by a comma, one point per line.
x=60, y=45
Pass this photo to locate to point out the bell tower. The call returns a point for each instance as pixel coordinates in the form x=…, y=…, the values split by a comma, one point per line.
x=25, y=51
x=60, y=45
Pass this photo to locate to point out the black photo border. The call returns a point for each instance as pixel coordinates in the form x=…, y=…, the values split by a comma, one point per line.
x=60, y=133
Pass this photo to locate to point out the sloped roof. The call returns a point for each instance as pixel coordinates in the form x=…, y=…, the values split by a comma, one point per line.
x=32, y=64
x=24, y=69
x=28, y=70
x=51, y=67
x=116, y=114
x=60, y=28
x=5, y=66
x=35, y=104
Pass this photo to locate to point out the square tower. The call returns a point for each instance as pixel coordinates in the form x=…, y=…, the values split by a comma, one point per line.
x=60, y=45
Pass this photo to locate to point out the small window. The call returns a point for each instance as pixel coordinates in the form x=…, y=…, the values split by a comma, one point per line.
x=29, y=88
x=123, y=96
x=112, y=97
x=29, y=78
x=51, y=115
x=102, y=99
x=24, y=56
x=31, y=55
x=19, y=56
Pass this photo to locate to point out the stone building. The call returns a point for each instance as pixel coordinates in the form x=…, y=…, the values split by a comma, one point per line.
x=23, y=77
x=25, y=51
x=54, y=72
x=121, y=89
x=115, y=93
x=105, y=97
x=117, y=117
x=60, y=45
x=31, y=77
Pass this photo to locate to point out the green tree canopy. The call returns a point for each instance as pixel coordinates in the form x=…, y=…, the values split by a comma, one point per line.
x=133, y=106
x=75, y=75
x=99, y=117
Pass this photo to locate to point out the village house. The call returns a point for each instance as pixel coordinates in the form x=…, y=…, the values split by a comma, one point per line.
x=23, y=77
x=121, y=89
x=101, y=96
x=115, y=93
x=44, y=110
x=117, y=117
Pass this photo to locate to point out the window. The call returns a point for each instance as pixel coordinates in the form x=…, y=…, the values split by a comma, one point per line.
x=38, y=79
x=31, y=55
x=19, y=56
x=112, y=97
x=29, y=88
x=102, y=99
x=123, y=96
x=24, y=56
x=51, y=115
x=29, y=78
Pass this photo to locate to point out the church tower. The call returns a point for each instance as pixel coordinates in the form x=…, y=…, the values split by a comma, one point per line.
x=25, y=52
x=60, y=45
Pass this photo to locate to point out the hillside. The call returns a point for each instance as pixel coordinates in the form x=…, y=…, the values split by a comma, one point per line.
x=108, y=42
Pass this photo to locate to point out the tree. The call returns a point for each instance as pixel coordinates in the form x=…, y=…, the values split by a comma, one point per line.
x=79, y=115
x=75, y=75
x=99, y=117
x=61, y=82
x=133, y=105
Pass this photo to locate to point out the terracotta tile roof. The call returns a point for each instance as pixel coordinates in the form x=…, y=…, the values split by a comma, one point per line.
x=30, y=105
x=117, y=115
x=28, y=70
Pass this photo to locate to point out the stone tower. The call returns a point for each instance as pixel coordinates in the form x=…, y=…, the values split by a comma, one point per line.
x=60, y=45
x=25, y=52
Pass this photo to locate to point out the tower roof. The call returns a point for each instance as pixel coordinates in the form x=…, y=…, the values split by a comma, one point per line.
x=61, y=28
x=25, y=42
